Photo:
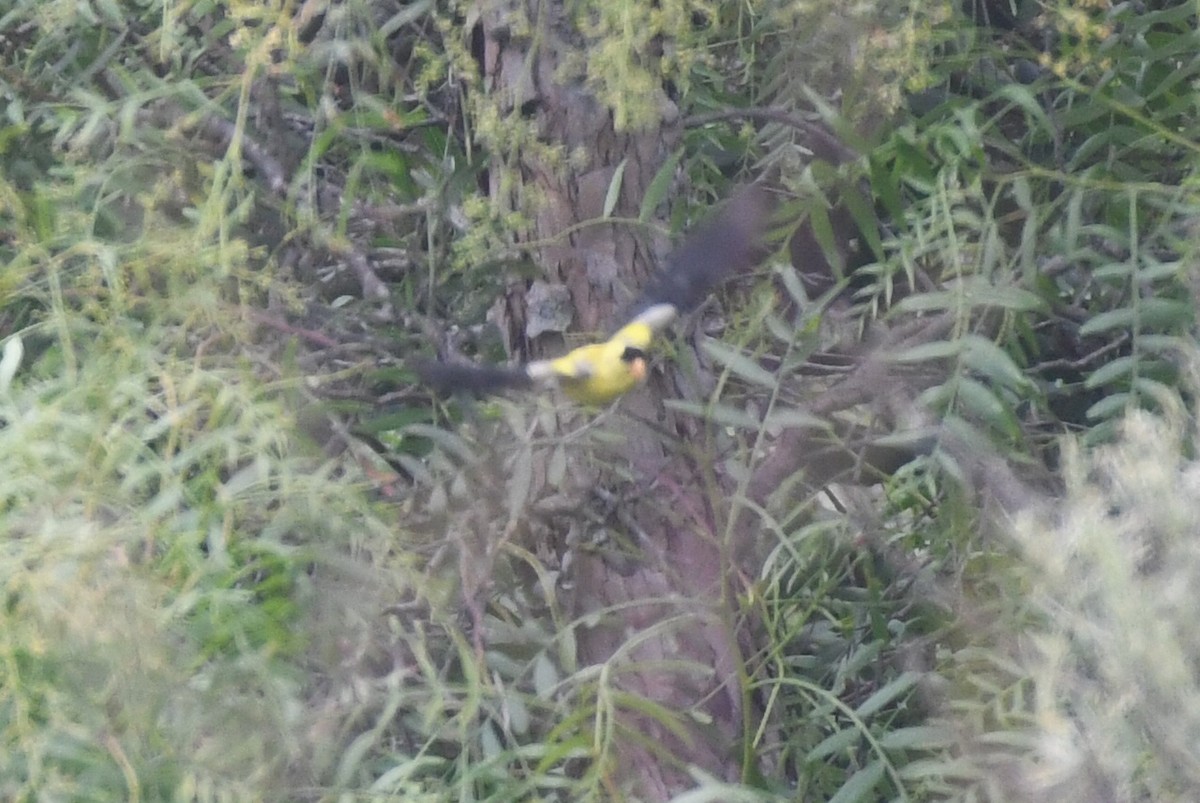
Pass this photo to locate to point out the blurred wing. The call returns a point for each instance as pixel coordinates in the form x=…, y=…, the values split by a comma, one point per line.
x=733, y=241
x=445, y=377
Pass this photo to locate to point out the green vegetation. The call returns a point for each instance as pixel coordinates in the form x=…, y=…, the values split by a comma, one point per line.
x=244, y=557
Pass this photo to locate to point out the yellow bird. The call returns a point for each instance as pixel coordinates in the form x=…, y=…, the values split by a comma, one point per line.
x=593, y=374
x=599, y=372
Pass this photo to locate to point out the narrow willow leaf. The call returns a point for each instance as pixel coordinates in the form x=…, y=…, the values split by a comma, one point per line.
x=416, y=468
x=1150, y=313
x=886, y=189
x=822, y=229
x=520, y=483
x=1109, y=406
x=834, y=743
x=937, y=350
x=448, y=441
x=1159, y=344
x=936, y=397
x=721, y=414
x=1021, y=96
x=686, y=407
x=656, y=191
x=918, y=737
x=861, y=785
x=545, y=676
x=795, y=419
x=929, y=302
x=894, y=689
x=791, y=282
x=739, y=363
x=14, y=350
x=1164, y=313
x=985, y=357
x=1162, y=393
x=516, y=712
x=489, y=741
x=726, y=415
x=1012, y=298
x=1106, y=374
x=1158, y=271
x=979, y=399
x=1112, y=270
x=556, y=470
x=1112, y=319
x=965, y=769
x=614, y=190
x=568, y=651
x=863, y=213
x=410, y=13
x=780, y=329
x=438, y=500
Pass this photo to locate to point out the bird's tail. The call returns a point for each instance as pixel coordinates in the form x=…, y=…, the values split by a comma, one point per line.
x=478, y=380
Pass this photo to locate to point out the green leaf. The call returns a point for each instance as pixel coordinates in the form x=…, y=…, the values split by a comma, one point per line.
x=834, y=743
x=985, y=357
x=1159, y=344
x=660, y=185
x=1109, y=406
x=1021, y=96
x=861, y=785
x=1164, y=313
x=796, y=419
x=937, y=350
x=929, y=302
x=790, y=277
x=448, y=441
x=896, y=688
x=1110, y=372
x=918, y=737
x=721, y=414
x=520, y=483
x=864, y=216
x=545, y=676
x=739, y=363
x=942, y=767
x=1112, y=319
x=822, y=228
x=556, y=469
x=886, y=189
x=14, y=350
x=1016, y=299
x=1149, y=313
x=614, y=190
x=979, y=399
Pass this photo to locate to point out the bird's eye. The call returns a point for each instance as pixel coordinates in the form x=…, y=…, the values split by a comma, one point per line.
x=632, y=353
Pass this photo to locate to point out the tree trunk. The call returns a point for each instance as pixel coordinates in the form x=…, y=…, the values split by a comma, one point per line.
x=667, y=635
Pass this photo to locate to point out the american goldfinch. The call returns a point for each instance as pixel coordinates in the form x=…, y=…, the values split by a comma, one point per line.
x=600, y=372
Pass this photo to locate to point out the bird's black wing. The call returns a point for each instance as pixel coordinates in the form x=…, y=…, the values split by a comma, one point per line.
x=733, y=241
x=478, y=380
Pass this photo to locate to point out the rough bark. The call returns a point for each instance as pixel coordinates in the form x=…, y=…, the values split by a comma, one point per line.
x=667, y=636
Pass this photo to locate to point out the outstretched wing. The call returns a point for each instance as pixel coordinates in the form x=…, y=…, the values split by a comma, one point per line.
x=733, y=241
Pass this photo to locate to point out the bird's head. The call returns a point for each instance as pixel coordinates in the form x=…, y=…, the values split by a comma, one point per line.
x=635, y=358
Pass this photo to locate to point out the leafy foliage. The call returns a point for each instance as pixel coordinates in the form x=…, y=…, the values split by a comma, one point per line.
x=198, y=602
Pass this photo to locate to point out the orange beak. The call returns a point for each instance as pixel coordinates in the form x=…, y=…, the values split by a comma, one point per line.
x=638, y=369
